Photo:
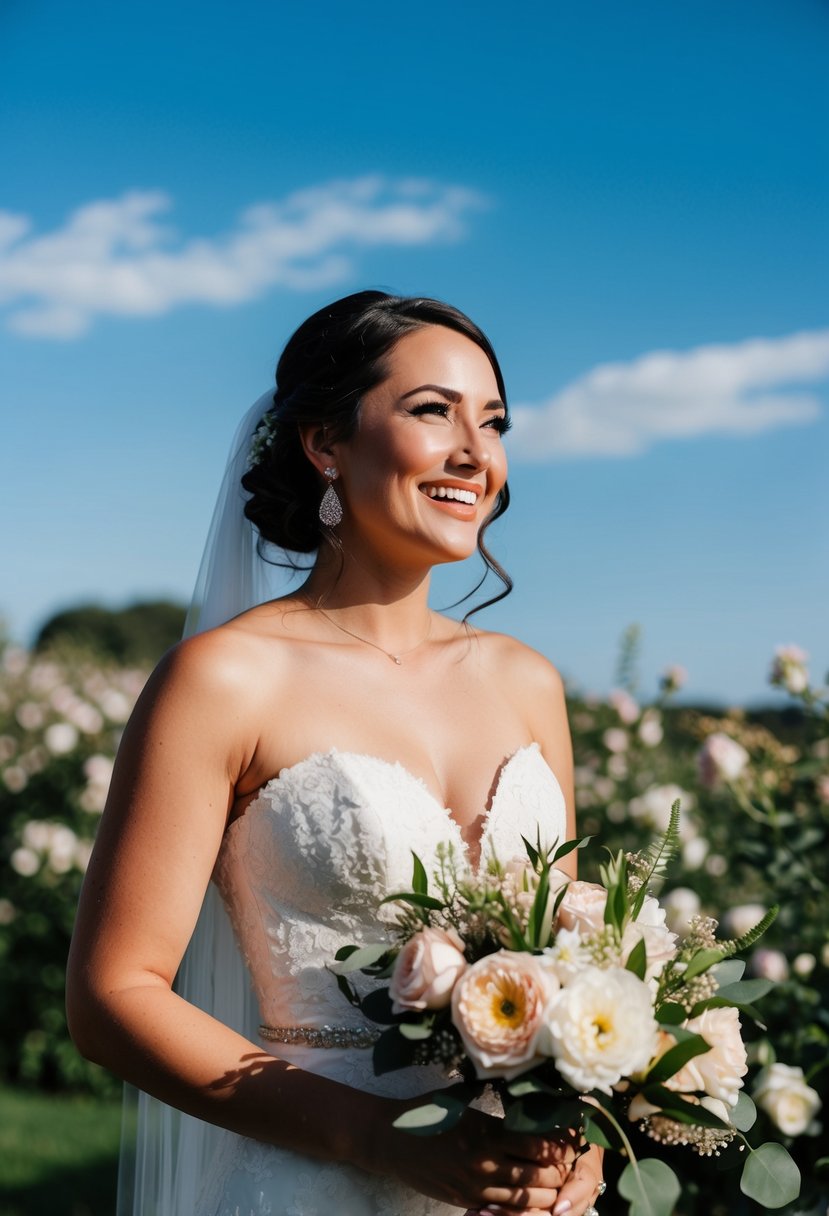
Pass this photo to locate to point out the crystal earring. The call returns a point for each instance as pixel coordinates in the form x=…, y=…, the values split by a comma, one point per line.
x=331, y=509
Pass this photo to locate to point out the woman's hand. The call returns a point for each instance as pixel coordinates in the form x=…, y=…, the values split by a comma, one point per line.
x=477, y=1165
x=582, y=1187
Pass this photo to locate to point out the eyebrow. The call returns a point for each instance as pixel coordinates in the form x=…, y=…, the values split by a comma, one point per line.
x=451, y=394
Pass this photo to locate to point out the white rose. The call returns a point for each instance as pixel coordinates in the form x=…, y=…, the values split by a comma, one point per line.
x=660, y=942
x=719, y=1071
x=426, y=969
x=720, y=758
x=789, y=1102
x=600, y=1028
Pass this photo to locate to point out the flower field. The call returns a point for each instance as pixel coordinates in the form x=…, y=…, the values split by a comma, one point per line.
x=754, y=793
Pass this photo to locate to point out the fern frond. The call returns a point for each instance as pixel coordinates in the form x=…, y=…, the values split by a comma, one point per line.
x=737, y=944
x=652, y=863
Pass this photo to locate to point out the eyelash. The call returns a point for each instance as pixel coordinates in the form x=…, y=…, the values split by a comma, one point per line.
x=500, y=423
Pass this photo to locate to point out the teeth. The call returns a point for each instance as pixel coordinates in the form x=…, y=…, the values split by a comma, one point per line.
x=467, y=496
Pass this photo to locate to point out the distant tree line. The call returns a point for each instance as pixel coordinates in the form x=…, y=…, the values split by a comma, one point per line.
x=137, y=635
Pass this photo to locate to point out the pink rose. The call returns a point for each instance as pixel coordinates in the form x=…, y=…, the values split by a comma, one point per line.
x=426, y=970
x=498, y=1007
x=583, y=908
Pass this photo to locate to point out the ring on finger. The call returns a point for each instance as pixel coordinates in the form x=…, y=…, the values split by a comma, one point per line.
x=590, y=1210
x=602, y=1187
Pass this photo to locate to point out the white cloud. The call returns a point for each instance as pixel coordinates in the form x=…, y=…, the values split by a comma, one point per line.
x=115, y=257
x=621, y=409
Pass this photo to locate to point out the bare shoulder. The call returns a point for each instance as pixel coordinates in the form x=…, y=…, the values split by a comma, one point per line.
x=522, y=666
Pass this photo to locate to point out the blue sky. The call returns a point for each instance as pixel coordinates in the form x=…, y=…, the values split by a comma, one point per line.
x=630, y=199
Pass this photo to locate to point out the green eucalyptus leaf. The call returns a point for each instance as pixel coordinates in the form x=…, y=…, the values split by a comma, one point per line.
x=652, y=1190
x=415, y=1031
x=365, y=956
x=729, y=971
x=744, y=1114
x=443, y=1112
x=744, y=991
x=770, y=1177
x=701, y=961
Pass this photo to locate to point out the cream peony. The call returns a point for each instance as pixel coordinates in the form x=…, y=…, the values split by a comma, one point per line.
x=601, y=1028
x=498, y=1007
x=789, y=1102
x=719, y=1071
x=426, y=970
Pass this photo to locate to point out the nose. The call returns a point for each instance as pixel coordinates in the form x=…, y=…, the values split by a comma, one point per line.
x=472, y=449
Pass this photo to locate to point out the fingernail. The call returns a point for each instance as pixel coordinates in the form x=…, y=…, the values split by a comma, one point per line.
x=562, y=1207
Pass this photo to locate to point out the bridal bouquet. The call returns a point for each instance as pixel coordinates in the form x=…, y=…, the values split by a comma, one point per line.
x=574, y=1002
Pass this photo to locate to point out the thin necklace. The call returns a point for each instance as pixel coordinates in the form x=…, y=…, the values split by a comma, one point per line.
x=395, y=658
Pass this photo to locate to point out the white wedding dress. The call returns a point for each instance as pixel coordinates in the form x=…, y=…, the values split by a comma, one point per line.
x=302, y=873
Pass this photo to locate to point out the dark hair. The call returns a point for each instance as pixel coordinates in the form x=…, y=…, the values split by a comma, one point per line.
x=328, y=365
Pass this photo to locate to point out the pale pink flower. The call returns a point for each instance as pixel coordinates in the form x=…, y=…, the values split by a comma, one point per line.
x=498, y=1007
x=650, y=728
x=426, y=970
x=769, y=965
x=615, y=739
x=788, y=669
x=624, y=704
x=719, y=1071
x=582, y=908
x=60, y=738
x=720, y=759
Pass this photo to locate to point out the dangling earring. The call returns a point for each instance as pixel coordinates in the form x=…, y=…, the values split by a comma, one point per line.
x=331, y=509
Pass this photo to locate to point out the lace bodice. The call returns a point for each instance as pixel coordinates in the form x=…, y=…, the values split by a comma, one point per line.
x=302, y=873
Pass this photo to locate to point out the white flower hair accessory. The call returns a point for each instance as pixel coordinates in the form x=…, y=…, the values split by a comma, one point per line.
x=263, y=438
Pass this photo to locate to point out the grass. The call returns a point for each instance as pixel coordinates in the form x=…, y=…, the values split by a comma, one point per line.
x=58, y=1154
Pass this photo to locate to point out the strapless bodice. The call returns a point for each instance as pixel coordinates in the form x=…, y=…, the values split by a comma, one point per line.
x=303, y=871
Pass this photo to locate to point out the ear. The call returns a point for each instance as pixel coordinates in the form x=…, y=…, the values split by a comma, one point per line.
x=317, y=446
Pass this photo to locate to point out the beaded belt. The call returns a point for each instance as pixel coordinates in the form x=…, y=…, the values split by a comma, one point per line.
x=322, y=1036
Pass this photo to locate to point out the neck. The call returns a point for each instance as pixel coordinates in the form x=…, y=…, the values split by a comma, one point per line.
x=389, y=607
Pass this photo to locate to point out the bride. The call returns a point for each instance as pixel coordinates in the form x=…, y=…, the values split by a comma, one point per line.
x=296, y=750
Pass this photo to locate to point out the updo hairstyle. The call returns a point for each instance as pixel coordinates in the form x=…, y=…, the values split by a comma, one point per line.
x=328, y=365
